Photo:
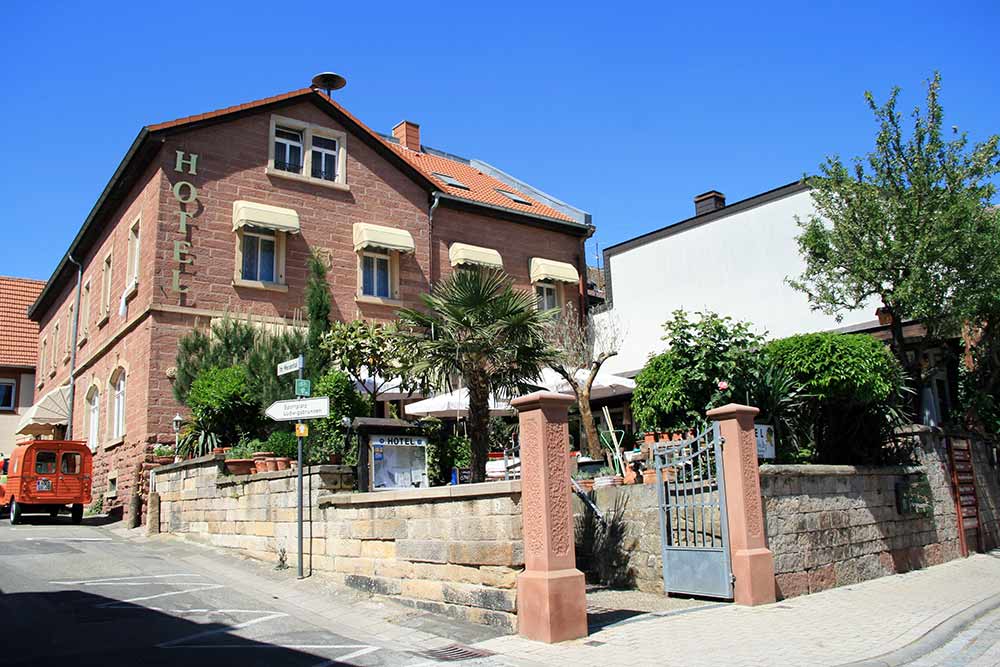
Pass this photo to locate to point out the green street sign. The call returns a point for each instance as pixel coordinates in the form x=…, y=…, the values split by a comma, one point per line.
x=303, y=388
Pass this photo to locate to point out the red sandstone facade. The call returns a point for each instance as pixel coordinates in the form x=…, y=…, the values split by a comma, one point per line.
x=131, y=318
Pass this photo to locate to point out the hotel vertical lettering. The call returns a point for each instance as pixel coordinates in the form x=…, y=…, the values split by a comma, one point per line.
x=185, y=193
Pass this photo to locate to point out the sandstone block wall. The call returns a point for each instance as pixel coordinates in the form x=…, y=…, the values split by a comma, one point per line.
x=253, y=513
x=452, y=550
x=836, y=525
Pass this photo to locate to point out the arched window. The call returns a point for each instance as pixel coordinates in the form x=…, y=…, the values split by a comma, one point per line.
x=117, y=423
x=93, y=418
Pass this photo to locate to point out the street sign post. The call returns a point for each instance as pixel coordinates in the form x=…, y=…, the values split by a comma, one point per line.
x=298, y=409
x=290, y=366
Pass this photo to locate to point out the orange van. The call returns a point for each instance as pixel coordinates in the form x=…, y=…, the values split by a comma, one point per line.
x=47, y=475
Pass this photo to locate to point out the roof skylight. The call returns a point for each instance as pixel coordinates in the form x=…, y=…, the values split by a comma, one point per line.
x=513, y=196
x=450, y=180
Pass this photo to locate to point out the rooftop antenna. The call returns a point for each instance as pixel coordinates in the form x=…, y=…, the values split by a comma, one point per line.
x=329, y=82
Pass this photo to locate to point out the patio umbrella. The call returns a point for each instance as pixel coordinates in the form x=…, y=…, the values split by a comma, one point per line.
x=454, y=404
x=605, y=384
x=389, y=390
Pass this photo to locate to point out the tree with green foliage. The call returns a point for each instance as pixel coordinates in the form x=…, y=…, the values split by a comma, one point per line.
x=318, y=313
x=710, y=360
x=852, y=398
x=909, y=225
x=477, y=326
x=327, y=434
x=374, y=355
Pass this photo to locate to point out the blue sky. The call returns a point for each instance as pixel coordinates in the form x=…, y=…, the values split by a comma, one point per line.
x=625, y=110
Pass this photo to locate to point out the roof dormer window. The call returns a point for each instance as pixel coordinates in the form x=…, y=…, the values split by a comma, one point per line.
x=514, y=197
x=450, y=180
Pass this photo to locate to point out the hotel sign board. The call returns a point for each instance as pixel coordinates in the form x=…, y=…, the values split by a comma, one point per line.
x=293, y=410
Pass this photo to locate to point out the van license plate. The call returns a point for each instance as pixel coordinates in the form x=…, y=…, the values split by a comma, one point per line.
x=43, y=485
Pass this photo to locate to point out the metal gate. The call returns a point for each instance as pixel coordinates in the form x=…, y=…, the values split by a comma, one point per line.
x=694, y=529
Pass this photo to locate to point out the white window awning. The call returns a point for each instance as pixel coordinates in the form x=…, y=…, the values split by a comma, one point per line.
x=463, y=253
x=367, y=235
x=549, y=269
x=251, y=214
x=50, y=410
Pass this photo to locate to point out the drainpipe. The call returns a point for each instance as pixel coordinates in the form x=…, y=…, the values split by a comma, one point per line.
x=430, y=233
x=72, y=351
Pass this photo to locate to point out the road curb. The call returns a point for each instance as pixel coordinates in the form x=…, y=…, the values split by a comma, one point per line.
x=933, y=638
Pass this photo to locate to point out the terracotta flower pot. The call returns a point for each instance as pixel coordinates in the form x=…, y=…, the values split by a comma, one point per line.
x=240, y=466
x=336, y=459
x=270, y=464
x=649, y=476
x=163, y=460
x=586, y=484
x=219, y=450
x=631, y=476
x=283, y=462
x=261, y=455
x=649, y=436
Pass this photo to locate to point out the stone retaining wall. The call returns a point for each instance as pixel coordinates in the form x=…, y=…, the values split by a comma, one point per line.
x=836, y=525
x=452, y=550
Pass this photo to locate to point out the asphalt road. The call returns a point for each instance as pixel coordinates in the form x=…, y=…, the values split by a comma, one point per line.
x=81, y=595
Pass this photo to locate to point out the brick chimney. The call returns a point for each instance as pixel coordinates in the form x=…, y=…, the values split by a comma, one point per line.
x=408, y=134
x=709, y=201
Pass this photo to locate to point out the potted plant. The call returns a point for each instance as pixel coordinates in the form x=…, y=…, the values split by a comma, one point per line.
x=649, y=475
x=607, y=477
x=238, y=461
x=585, y=479
x=163, y=455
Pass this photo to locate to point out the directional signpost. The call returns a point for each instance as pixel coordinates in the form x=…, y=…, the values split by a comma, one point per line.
x=296, y=410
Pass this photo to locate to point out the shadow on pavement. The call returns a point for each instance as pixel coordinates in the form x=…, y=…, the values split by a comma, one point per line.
x=77, y=628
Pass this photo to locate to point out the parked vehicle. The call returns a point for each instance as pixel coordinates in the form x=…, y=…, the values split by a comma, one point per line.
x=46, y=476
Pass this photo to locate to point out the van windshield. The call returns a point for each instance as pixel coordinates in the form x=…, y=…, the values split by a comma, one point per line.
x=45, y=463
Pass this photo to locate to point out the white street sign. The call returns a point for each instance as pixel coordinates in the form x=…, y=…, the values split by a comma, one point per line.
x=306, y=408
x=290, y=366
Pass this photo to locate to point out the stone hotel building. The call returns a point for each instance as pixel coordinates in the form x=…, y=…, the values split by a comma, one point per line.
x=218, y=213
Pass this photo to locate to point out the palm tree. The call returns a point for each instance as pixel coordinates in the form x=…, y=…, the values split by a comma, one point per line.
x=479, y=327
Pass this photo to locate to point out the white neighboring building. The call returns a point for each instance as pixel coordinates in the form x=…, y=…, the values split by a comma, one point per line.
x=729, y=259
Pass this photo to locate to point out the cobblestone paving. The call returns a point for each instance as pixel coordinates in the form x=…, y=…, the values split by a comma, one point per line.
x=834, y=627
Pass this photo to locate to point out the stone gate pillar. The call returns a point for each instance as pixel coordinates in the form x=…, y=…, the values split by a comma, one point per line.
x=753, y=563
x=551, y=594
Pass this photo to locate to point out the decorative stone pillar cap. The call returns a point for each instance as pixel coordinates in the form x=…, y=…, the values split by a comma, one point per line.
x=540, y=399
x=731, y=411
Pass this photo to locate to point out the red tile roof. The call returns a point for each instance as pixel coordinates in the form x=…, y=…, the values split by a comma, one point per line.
x=19, y=342
x=482, y=188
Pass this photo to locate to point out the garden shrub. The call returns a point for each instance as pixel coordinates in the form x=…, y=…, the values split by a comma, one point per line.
x=221, y=403
x=710, y=360
x=326, y=436
x=282, y=442
x=854, y=396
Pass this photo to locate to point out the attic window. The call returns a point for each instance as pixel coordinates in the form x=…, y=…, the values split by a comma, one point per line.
x=513, y=196
x=450, y=180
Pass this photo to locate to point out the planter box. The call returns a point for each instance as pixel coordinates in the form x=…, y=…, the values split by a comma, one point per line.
x=610, y=480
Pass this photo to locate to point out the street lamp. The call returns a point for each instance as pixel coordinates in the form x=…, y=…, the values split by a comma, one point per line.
x=176, y=423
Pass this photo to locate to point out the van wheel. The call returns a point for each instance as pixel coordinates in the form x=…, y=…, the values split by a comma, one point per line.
x=15, y=512
x=77, y=513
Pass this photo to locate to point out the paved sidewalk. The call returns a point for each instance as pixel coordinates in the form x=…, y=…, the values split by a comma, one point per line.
x=835, y=627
